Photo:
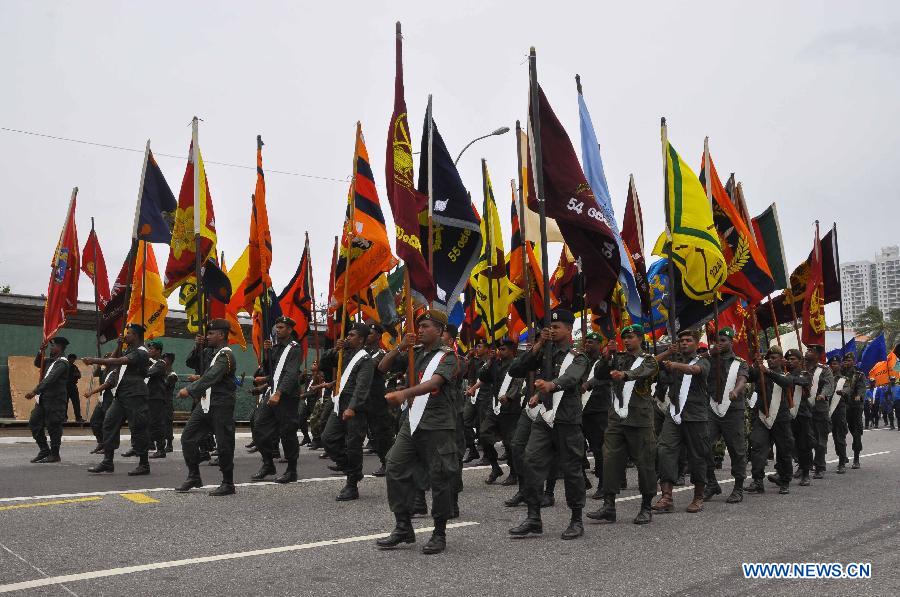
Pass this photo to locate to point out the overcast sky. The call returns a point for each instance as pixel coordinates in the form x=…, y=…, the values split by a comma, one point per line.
x=799, y=99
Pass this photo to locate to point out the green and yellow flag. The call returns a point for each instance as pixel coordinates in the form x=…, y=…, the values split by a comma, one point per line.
x=493, y=290
x=690, y=239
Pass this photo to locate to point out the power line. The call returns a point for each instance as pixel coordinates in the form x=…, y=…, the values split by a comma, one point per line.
x=168, y=155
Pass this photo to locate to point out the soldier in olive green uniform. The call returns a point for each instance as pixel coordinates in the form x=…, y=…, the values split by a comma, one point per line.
x=426, y=443
x=556, y=435
x=821, y=392
x=838, y=414
x=213, y=412
x=852, y=397
x=686, y=424
x=727, y=381
x=801, y=426
x=156, y=398
x=508, y=405
x=595, y=415
x=129, y=403
x=51, y=403
x=629, y=433
x=381, y=432
x=474, y=406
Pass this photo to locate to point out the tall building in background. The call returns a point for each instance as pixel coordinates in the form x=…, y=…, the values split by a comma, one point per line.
x=867, y=283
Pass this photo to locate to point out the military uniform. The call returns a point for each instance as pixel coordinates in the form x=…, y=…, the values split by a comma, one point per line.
x=280, y=421
x=727, y=420
x=377, y=413
x=559, y=442
x=169, y=409
x=343, y=439
x=852, y=397
x=488, y=423
x=595, y=418
x=213, y=413
x=129, y=403
x=500, y=418
x=821, y=418
x=472, y=408
x=49, y=412
x=156, y=404
x=801, y=427
x=111, y=375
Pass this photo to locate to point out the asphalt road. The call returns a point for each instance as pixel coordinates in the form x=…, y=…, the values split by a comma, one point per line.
x=64, y=532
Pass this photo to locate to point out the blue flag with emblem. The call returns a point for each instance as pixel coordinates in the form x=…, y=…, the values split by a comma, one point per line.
x=155, y=206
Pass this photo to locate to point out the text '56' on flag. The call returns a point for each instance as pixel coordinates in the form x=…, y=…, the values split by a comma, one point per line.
x=690, y=239
x=62, y=292
x=569, y=199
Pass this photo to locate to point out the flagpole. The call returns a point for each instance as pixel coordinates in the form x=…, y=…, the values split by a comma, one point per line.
x=201, y=301
x=312, y=293
x=349, y=231
x=410, y=329
x=762, y=377
x=430, y=171
x=522, y=230
x=774, y=321
x=96, y=293
x=489, y=251
x=837, y=258
x=671, y=267
x=538, y=167
x=707, y=167
x=143, y=281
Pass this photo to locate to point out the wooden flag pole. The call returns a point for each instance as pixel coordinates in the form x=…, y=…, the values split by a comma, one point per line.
x=671, y=267
x=312, y=295
x=761, y=391
x=350, y=230
x=143, y=281
x=529, y=319
x=410, y=329
x=430, y=171
x=198, y=265
x=489, y=252
x=96, y=293
x=837, y=265
x=707, y=167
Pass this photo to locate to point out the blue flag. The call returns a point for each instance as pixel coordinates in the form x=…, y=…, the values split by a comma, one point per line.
x=874, y=352
x=593, y=171
x=689, y=313
x=850, y=347
x=156, y=201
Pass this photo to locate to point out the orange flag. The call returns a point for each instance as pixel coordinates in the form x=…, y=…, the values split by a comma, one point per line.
x=260, y=238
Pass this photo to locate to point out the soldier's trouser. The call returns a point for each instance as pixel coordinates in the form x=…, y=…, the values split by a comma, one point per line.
x=97, y=421
x=839, y=430
x=692, y=435
x=855, y=426
x=50, y=417
x=274, y=423
x=326, y=408
x=75, y=399
x=428, y=453
x=156, y=413
x=761, y=440
x=380, y=429
x=563, y=444
x=519, y=441
x=821, y=427
x=470, y=423
x=169, y=417
x=460, y=435
x=134, y=409
x=869, y=409
x=488, y=431
x=803, y=441
x=621, y=442
x=220, y=422
x=731, y=428
x=593, y=426
x=343, y=442
x=508, y=423
x=887, y=413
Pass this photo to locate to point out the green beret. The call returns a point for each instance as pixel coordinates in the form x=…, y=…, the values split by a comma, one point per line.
x=635, y=328
x=155, y=344
x=438, y=317
x=594, y=336
x=728, y=332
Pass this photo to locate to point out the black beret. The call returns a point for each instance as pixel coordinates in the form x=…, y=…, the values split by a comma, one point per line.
x=563, y=316
x=286, y=321
x=219, y=324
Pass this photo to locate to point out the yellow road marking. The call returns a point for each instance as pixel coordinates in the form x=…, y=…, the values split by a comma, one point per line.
x=51, y=503
x=139, y=498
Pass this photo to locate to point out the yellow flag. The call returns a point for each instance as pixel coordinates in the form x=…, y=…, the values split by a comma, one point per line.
x=148, y=305
x=695, y=247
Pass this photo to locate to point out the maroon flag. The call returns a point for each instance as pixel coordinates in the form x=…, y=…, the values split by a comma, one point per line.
x=406, y=202
x=112, y=315
x=569, y=200
x=633, y=238
x=62, y=292
x=814, y=298
x=93, y=264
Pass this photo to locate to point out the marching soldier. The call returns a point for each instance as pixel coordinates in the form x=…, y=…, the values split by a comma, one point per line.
x=214, y=393
x=838, y=414
x=129, y=402
x=556, y=434
x=595, y=416
x=426, y=443
x=346, y=428
x=629, y=433
x=821, y=391
x=686, y=424
x=108, y=377
x=51, y=401
x=852, y=395
x=801, y=426
x=156, y=398
x=378, y=417
x=278, y=416
x=169, y=405
x=472, y=409
x=727, y=379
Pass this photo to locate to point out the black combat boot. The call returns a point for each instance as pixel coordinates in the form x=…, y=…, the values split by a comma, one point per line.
x=380, y=471
x=532, y=523
x=267, y=468
x=712, y=486
x=517, y=500
x=349, y=492
x=226, y=487
x=804, y=478
x=143, y=467
x=510, y=480
x=496, y=473
x=576, y=526
x=129, y=454
x=43, y=452
x=105, y=465
x=737, y=494
x=645, y=514
x=402, y=533
x=438, y=541
x=841, y=467
x=190, y=483
x=53, y=456
x=290, y=474
x=160, y=450
x=757, y=486
x=607, y=512
x=169, y=447
x=855, y=464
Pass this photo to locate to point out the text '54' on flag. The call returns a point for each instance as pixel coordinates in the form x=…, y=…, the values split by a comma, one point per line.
x=62, y=292
x=569, y=199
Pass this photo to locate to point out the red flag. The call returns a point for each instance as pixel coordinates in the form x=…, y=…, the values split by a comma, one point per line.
x=93, y=264
x=566, y=284
x=260, y=238
x=569, y=200
x=406, y=202
x=333, y=318
x=517, y=277
x=736, y=316
x=62, y=292
x=296, y=299
x=633, y=238
x=814, y=301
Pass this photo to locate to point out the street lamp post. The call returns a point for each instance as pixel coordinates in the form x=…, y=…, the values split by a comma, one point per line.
x=500, y=131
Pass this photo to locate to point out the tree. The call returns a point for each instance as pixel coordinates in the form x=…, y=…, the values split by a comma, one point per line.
x=5, y=289
x=872, y=322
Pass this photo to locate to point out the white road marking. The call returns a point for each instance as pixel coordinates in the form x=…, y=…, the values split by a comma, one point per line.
x=67, y=578
x=39, y=571
x=125, y=437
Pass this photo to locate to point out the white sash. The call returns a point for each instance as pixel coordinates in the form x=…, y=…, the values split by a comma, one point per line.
x=774, y=405
x=122, y=369
x=721, y=408
x=345, y=377
x=682, y=394
x=814, y=387
x=204, y=402
x=751, y=401
x=836, y=398
x=474, y=397
x=798, y=398
x=549, y=416
x=419, y=402
x=37, y=397
x=152, y=362
x=503, y=388
x=280, y=367
x=585, y=396
x=627, y=390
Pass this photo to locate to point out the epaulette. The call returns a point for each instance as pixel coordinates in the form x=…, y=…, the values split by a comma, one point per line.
x=447, y=349
x=737, y=358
